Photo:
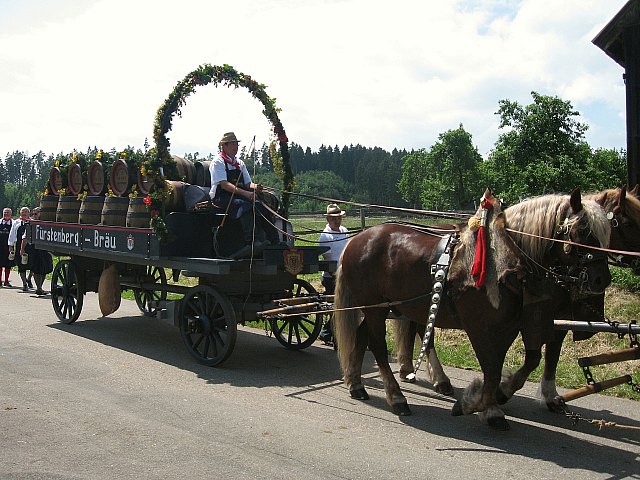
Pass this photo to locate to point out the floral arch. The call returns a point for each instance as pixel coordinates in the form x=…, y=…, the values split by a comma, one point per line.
x=159, y=165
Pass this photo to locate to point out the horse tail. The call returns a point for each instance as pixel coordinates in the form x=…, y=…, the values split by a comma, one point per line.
x=345, y=322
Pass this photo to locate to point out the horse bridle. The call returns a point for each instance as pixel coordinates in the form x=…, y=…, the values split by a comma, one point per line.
x=621, y=260
x=574, y=276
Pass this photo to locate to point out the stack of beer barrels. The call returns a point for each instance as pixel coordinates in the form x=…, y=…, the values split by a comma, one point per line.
x=112, y=203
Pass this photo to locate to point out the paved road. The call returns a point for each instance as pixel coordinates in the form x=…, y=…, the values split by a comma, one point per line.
x=120, y=397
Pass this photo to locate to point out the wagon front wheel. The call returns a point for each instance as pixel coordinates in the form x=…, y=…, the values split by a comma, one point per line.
x=147, y=299
x=66, y=292
x=299, y=331
x=208, y=325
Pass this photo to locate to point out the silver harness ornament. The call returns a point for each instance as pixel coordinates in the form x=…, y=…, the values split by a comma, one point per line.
x=439, y=273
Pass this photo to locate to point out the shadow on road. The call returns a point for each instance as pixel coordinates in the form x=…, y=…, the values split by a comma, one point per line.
x=260, y=361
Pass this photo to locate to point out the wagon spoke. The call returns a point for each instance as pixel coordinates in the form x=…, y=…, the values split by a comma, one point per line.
x=299, y=331
x=145, y=298
x=208, y=325
x=66, y=292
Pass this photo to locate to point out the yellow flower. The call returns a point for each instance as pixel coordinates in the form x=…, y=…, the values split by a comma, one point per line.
x=123, y=155
x=74, y=158
x=57, y=163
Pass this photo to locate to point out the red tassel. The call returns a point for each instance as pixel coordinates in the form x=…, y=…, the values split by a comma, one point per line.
x=478, y=269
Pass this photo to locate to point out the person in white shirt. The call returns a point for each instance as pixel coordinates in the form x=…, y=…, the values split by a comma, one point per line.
x=231, y=186
x=335, y=236
x=17, y=231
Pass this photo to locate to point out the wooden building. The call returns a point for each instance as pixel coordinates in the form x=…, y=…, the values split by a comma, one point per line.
x=620, y=39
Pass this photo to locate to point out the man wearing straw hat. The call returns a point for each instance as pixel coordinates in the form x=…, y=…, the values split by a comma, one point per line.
x=233, y=190
x=334, y=236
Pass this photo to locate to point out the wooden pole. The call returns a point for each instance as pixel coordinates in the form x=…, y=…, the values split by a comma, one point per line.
x=595, y=388
x=610, y=357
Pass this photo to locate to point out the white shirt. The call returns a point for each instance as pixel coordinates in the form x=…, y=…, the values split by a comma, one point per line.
x=218, y=173
x=337, y=242
x=13, y=234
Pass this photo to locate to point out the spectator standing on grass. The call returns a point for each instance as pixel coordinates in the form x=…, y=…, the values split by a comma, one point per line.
x=335, y=236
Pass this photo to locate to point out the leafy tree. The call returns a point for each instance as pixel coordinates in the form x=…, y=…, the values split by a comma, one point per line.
x=445, y=177
x=606, y=168
x=543, y=151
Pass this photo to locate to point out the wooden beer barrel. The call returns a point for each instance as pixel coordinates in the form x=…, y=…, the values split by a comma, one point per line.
x=144, y=182
x=120, y=179
x=68, y=209
x=48, y=207
x=114, y=211
x=55, y=181
x=203, y=177
x=91, y=210
x=95, y=178
x=175, y=202
x=186, y=169
x=137, y=214
x=74, y=179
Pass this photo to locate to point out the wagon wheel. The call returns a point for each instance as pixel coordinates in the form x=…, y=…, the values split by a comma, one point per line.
x=144, y=298
x=208, y=325
x=298, y=332
x=66, y=292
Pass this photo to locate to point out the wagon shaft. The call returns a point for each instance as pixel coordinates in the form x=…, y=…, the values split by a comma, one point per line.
x=305, y=308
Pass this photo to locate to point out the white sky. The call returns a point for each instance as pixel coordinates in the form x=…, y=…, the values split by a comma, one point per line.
x=82, y=73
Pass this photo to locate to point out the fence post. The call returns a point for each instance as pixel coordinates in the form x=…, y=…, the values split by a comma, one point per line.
x=362, y=218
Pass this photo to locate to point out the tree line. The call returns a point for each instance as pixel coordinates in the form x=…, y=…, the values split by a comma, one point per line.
x=542, y=149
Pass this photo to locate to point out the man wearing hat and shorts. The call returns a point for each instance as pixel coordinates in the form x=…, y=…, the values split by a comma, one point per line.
x=334, y=236
x=231, y=186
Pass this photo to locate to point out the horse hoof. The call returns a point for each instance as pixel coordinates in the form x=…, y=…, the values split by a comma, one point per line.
x=456, y=411
x=409, y=377
x=401, y=409
x=444, y=388
x=501, y=397
x=359, y=394
x=498, y=423
x=554, y=407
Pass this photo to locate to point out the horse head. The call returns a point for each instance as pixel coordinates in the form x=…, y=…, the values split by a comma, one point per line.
x=623, y=209
x=585, y=225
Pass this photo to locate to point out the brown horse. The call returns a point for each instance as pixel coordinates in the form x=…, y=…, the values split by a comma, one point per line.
x=392, y=263
x=624, y=210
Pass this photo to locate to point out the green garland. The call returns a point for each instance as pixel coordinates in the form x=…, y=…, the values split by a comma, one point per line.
x=159, y=165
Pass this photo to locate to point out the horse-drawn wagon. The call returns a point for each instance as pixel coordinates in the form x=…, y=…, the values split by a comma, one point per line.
x=227, y=292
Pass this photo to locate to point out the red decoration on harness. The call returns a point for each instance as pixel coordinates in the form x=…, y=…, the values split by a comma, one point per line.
x=479, y=268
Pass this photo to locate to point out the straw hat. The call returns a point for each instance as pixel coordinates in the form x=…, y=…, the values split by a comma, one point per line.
x=334, y=210
x=228, y=137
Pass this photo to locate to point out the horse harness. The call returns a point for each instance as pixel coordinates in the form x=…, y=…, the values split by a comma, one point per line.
x=439, y=269
x=573, y=278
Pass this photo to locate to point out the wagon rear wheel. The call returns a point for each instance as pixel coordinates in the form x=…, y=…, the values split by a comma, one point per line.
x=146, y=299
x=66, y=292
x=208, y=325
x=300, y=331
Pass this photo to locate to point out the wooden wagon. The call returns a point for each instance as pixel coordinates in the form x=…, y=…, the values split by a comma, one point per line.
x=226, y=292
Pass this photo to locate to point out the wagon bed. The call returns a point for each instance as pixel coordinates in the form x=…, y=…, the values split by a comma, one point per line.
x=228, y=292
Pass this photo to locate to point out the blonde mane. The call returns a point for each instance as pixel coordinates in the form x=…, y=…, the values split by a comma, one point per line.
x=541, y=216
